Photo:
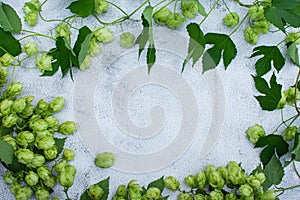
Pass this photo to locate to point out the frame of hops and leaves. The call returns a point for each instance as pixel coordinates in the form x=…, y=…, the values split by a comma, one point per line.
x=35, y=167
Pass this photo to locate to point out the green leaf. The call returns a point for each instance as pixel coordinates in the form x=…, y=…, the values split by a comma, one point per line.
x=222, y=43
x=147, y=32
x=83, y=8
x=15, y=166
x=272, y=94
x=159, y=183
x=258, y=169
x=84, y=48
x=104, y=184
x=9, y=19
x=196, y=44
x=201, y=9
x=151, y=57
x=293, y=53
x=273, y=144
x=83, y=33
x=9, y=44
x=284, y=12
x=296, y=149
x=271, y=56
x=60, y=143
x=274, y=171
x=6, y=152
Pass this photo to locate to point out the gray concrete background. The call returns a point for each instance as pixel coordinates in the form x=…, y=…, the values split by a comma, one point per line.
x=119, y=70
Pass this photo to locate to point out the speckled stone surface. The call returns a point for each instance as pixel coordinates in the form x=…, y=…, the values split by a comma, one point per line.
x=160, y=124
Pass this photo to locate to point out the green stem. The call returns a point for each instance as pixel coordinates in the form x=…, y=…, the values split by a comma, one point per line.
x=288, y=188
x=237, y=28
x=37, y=34
x=166, y=5
x=283, y=122
x=244, y=5
x=66, y=192
x=226, y=6
x=118, y=7
x=211, y=9
x=138, y=8
x=160, y=3
x=296, y=88
x=175, y=5
x=13, y=74
x=295, y=168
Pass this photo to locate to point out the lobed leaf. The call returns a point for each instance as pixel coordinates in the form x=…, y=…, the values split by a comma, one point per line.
x=222, y=44
x=274, y=171
x=196, y=44
x=159, y=183
x=272, y=93
x=293, y=53
x=271, y=56
x=104, y=184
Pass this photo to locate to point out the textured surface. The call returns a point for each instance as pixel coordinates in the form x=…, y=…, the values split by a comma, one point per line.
x=131, y=113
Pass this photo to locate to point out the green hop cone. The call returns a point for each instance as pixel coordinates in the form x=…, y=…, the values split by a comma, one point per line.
x=51, y=153
x=101, y=6
x=261, y=27
x=236, y=175
x=57, y=104
x=24, y=156
x=104, y=34
x=62, y=30
x=6, y=106
x=68, y=154
x=27, y=112
x=175, y=20
x=172, y=183
x=50, y=182
x=9, y=177
x=44, y=62
x=6, y=59
x=44, y=172
x=30, y=48
x=134, y=190
x=231, y=19
x=216, y=195
x=19, y=105
x=290, y=132
x=162, y=16
x=66, y=176
x=153, y=193
x=51, y=121
x=42, y=194
x=3, y=75
x=67, y=128
x=201, y=180
x=293, y=37
x=10, y=120
x=24, y=138
x=85, y=64
x=10, y=140
x=253, y=181
x=37, y=161
x=121, y=191
x=290, y=96
x=105, y=160
x=31, y=18
x=214, y=177
x=200, y=197
x=230, y=196
x=268, y=195
x=44, y=142
x=185, y=196
x=189, y=8
x=29, y=99
x=95, y=192
x=39, y=125
x=255, y=132
x=223, y=171
x=256, y=13
x=14, y=187
x=127, y=40
x=94, y=48
x=41, y=107
x=246, y=190
x=23, y=193
x=60, y=166
x=31, y=178
x=261, y=177
x=250, y=35
x=14, y=89
x=191, y=181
